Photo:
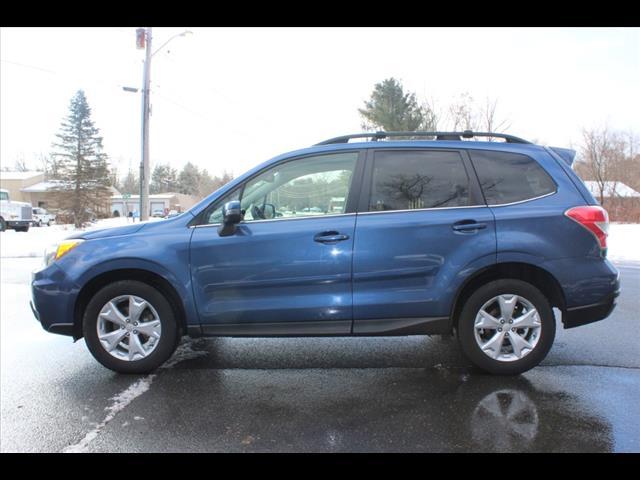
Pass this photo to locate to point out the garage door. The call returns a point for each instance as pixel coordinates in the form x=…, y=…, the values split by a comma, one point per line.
x=157, y=206
x=117, y=207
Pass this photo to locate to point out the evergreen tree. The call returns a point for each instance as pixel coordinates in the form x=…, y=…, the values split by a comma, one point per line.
x=82, y=173
x=206, y=184
x=391, y=109
x=189, y=179
x=163, y=179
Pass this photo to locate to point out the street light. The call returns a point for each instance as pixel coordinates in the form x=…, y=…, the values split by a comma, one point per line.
x=143, y=40
x=183, y=34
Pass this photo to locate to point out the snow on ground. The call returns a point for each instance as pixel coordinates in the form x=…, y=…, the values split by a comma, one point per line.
x=624, y=239
x=624, y=242
x=34, y=242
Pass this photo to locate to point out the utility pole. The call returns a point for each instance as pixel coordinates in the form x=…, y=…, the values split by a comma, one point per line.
x=143, y=41
x=144, y=164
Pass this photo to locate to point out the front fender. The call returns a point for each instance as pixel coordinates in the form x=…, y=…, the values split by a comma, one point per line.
x=182, y=285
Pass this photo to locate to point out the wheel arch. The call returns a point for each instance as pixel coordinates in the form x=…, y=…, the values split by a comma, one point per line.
x=540, y=278
x=101, y=280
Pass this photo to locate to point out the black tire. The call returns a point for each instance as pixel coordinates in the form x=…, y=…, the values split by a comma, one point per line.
x=169, y=337
x=3, y=225
x=22, y=229
x=49, y=223
x=466, y=331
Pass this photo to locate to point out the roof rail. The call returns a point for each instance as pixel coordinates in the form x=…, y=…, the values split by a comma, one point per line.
x=375, y=136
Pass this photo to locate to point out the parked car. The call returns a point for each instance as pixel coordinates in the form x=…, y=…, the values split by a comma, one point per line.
x=42, y=217
x=15, y=215
x=439, y=236
x=173, y=213
x=158, y=213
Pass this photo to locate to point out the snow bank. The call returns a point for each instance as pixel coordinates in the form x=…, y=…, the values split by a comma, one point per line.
x=624, y=242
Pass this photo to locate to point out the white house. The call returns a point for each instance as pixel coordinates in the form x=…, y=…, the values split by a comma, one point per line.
x=612, y=190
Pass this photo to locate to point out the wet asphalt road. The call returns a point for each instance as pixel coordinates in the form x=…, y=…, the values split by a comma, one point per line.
x=318, y=394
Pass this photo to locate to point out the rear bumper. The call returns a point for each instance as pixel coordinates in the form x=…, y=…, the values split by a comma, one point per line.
x=577, y=316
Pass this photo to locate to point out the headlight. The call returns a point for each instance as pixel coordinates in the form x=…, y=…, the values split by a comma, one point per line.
x=57, y=251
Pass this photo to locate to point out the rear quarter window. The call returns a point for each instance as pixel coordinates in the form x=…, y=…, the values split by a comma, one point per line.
x=510, y=177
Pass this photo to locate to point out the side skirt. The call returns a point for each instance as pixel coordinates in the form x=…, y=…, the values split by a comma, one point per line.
x=372, y=327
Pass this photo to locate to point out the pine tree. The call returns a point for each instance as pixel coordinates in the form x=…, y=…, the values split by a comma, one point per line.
x=390, y=109
x=163, y=179
x=82, y=175
x=189, y=179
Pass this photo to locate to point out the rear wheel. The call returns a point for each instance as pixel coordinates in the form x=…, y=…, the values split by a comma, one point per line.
x=130, y=327
x=3, y=225
x=506, y=327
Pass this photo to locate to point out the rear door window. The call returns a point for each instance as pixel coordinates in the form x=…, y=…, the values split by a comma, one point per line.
x=510, y=177
x=415, y=179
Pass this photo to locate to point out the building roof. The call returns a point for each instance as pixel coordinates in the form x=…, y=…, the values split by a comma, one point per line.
x=19, y=175
x=50, y=185
x=40, y=187
x=612, y=189
x=158, y=196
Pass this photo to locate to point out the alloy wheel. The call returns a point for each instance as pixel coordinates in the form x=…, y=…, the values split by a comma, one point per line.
x=507, y=327
x=129, y=328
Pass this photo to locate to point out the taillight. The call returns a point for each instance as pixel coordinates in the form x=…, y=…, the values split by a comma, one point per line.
x=593, y=218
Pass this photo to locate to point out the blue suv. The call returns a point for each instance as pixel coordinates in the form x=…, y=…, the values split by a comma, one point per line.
x=432, y=233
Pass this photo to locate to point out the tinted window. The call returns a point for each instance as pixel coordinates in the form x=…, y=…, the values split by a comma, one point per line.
x=510, y=177
x=406, y=180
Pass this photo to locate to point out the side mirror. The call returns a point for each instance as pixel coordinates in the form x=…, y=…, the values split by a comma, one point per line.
x=268, y=211
x=231, y=216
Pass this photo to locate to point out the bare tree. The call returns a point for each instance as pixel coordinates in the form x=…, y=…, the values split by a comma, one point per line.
x=603, y=152
x=491, y=122
x=21, y=164
x=465, y=114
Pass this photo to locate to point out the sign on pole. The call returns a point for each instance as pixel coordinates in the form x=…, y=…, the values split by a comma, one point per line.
x=140, y=38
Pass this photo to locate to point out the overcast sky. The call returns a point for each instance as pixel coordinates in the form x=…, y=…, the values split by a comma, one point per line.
x=229, y=98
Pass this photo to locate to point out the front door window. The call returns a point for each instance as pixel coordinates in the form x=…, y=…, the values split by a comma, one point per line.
x=307, y=187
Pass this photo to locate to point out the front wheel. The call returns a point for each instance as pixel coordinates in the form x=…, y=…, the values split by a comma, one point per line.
x=130, y=327
x=506, y=327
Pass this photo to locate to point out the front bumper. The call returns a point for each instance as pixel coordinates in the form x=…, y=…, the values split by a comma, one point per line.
x=53, y=299
x=18, y=223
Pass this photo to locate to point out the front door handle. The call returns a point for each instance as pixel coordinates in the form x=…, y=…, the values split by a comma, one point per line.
x=330, y=237
x=468, y=225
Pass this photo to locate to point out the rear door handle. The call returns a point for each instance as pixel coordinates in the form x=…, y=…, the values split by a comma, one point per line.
x=468, y=225
x=330, y=237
